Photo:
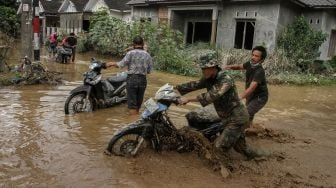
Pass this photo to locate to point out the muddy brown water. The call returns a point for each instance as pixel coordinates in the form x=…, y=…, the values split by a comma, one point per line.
x=42, y=147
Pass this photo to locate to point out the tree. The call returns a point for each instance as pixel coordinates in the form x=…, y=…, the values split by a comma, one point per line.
x=9, y=22
x=9, y=3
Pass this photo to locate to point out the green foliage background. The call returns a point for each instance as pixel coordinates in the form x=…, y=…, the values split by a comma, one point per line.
x=301, y=43
x=9, y=22
x=110, y=35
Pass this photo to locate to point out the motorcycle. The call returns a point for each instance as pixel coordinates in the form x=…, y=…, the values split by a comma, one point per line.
x=95, y=92
x=156, y=128
x=63, y=54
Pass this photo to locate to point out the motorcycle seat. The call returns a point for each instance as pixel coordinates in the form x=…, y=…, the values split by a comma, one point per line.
x=64, y=51
x=118, y=78
x=200, y=122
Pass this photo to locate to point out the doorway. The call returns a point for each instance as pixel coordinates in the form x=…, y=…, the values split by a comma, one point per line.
x=332, y=44
x=198, y=32
x=86, y=25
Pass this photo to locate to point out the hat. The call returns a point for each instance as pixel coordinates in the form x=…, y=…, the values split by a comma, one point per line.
x=208, y=59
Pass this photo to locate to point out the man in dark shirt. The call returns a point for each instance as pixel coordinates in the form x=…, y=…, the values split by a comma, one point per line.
x=256, y=92
x=72, y=42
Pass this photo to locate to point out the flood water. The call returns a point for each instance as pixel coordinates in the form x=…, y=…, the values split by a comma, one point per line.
x=42, y=147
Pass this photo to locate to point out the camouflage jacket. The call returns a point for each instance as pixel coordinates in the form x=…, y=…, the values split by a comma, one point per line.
x=221, y=91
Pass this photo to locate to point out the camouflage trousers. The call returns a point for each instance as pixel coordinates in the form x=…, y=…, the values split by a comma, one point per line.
x=233, y=134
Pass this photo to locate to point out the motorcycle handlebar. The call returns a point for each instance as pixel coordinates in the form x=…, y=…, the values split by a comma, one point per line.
x=94, y=60
x=170, y=101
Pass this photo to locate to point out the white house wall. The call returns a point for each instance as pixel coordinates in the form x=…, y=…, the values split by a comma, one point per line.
x=71, y=8
x=328, y=24
x=71, y=22
x=127, y=17
x=286, y=16
x=265, y=24
x=100, y=4
x=145, y=12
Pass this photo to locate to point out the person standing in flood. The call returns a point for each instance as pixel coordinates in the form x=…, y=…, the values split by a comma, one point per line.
x=52, y=44
x=256, y=91
x=139, y=64
x=72, y=42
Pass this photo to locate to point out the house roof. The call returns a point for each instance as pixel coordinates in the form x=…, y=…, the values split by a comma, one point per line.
x=90, y=4
x=305, y=3
x=51, y=6
x=118, y=4
x=318, y=3
x=134, y=2
x=79, y=5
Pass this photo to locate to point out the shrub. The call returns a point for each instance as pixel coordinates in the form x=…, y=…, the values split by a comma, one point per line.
x=9, y=22
x=301, y=43
x=332, y=62
x=83, y=42
x=112, y=36
x=108, y=34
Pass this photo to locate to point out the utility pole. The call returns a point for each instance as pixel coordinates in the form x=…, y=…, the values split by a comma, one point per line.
x=36, y=29
x=26, y=29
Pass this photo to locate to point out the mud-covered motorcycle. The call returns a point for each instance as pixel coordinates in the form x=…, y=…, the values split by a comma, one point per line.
x=63, y=54
x=156, y=129
x=95, y=92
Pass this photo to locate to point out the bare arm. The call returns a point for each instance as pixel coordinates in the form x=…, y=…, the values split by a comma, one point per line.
x=249, y=90
x=111, y=64
x=234, y=67
x=185, y=100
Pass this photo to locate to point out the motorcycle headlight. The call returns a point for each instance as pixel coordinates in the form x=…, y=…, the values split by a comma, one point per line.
x=93, y=66
x=166, y=92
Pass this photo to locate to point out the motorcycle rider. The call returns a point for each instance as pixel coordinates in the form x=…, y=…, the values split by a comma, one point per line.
x=222, y=92
x=139, y=64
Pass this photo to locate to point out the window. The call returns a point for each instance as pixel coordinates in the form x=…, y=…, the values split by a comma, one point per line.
x=244, y=35
x=145, y=19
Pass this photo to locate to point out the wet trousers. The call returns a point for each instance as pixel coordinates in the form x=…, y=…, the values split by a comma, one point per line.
x=136, y=87
x=233, y=134
x=255, y=104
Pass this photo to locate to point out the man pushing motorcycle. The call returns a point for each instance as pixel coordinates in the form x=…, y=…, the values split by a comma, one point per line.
x=222, y=92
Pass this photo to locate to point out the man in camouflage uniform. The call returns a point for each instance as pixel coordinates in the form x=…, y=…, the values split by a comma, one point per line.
x=222, y=92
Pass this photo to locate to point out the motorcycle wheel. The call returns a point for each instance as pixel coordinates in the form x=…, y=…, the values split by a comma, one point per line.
x=75, y=104
x=128, y=145
x=58, y=58
x=67, y=59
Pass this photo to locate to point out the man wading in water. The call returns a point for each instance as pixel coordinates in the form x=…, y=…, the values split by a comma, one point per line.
x=139, y=64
